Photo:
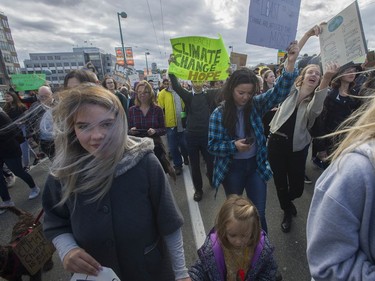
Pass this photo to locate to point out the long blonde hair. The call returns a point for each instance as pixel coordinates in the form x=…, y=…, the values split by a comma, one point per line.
x=357, y=129
x=78, y=170
x=241, y=209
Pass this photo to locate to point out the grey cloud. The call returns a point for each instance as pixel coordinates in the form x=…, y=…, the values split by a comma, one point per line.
x=59, y=3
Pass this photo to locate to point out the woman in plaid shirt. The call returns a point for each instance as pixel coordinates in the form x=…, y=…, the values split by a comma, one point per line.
x=236, y=137
x=146, y=119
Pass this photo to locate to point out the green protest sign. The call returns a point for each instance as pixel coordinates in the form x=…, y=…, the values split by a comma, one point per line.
x=199, y=59
x=24, y=82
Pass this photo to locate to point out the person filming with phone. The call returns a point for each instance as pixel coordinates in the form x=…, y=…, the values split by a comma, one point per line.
x=236, y=137
x=146, y=119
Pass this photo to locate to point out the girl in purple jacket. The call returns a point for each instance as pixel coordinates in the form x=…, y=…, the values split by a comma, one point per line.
x=237, y=248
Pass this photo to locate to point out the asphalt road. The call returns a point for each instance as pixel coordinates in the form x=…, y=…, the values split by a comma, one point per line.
x=289, y=248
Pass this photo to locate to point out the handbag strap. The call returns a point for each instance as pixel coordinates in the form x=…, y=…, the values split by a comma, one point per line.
x=258, y=249
x=38, y=217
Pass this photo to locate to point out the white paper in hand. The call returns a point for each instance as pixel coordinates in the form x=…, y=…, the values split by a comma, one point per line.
x=107, y=274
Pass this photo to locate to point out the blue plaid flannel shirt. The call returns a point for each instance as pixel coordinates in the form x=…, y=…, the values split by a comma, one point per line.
x=222, y=146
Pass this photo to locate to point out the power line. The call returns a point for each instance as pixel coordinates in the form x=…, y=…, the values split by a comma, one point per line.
x=162, y=26
x=153, y=26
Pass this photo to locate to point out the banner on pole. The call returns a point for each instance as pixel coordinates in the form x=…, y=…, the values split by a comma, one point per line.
x=128, y=56
x=199, y=59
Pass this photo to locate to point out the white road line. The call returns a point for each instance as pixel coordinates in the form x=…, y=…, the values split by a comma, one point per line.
x=195, y=214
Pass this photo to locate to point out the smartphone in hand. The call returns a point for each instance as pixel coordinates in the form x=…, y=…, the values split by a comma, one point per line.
x=249, y=140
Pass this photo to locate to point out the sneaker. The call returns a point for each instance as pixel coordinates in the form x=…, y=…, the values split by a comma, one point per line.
x=27, y=169
x=34, y=193
x=307, y=180
x=11, y=180
x=319, y=163
x=198, y=195
x=36, y=162
x=5, y=204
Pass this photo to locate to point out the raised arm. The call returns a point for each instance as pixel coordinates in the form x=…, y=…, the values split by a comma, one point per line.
x=331, y=70
x=293, y=52
x=184, y=94
x=314, y=31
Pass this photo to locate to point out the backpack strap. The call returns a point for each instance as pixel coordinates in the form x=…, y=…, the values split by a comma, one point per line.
x=219, y=255
x=258, y=249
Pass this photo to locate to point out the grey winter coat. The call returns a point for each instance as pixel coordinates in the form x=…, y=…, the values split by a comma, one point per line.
x=124, y=230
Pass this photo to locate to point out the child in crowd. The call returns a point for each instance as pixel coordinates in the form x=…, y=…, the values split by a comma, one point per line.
x=236, y=248
x=107, y=201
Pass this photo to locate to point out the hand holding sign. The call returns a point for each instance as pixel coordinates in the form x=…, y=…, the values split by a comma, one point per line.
x=331, y=69
x=315, y=30
x=171, y=59
x=293, y=52
x=77, y=260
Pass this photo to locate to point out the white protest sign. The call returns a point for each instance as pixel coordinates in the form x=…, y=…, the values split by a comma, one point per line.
x=133, y=78
x=342, y=39
x=272, y=24
x=107, y=274
x=154, y=77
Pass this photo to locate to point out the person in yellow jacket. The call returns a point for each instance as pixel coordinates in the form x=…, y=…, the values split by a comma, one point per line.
x=175, y=117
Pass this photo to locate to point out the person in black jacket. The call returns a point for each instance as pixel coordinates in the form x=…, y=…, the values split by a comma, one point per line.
x=199, y=106
x=339, y=104
x=10, y=154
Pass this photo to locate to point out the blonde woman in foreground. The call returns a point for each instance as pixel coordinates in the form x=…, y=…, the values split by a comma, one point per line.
x=107, y=201
x=341, y=221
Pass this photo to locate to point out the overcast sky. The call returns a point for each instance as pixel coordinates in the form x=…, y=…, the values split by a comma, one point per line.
x=59, y=25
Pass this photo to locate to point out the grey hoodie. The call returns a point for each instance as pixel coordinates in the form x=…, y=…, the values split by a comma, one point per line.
x=341, y=221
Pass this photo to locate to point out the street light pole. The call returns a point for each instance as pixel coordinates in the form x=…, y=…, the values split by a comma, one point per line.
x=124, y=16
x=147, y=53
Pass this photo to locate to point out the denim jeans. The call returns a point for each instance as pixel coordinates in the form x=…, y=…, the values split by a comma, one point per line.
x=242, y=175
x=25, y=148
x=15, y=165
x=196, y=145
x=177, y=145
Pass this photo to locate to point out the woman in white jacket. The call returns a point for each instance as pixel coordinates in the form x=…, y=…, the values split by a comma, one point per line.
x=290, y=138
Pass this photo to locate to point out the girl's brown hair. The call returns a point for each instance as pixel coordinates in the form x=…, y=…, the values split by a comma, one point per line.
x=241, y=209
x=16, y=103
x=104, y=83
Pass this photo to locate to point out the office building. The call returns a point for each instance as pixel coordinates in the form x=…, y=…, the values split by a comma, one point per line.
x=8, y=56
x=57, y=64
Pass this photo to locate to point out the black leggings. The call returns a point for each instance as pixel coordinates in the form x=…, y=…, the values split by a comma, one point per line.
x=288, y=169
x=15, y=165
